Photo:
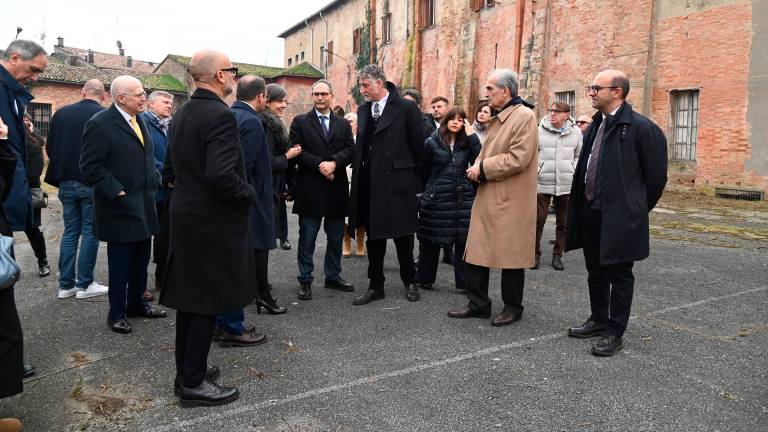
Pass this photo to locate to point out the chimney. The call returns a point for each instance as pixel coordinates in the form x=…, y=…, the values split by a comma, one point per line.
x=90, y=56
x=60, y=41
x=122, y=52
x=130, y=61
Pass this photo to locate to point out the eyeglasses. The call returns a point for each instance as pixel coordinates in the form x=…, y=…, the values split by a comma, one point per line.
x=137, y=95
x=232, y=70
x=581, y=122
x=597, y=88
x=323, y=94
x=554, y=111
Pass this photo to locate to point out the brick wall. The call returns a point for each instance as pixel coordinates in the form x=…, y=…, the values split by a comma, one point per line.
x=59, y=94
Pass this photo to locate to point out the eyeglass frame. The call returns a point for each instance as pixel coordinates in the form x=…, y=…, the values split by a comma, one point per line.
x=578, y=122
x=233, y=70
x=550, y=111
x=596, y=88
x=139, y=95
x=321, y=94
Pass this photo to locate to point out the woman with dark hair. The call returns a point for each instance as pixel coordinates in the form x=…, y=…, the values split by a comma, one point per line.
x=483, y=116
x=35, y=162
x=277, y=141
x=446, y=203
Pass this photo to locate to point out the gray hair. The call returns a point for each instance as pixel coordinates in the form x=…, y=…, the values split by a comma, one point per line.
x=275, y=92
x=323, y=81
x=372, y=71
x=506, y=78
x=27, y=49
x=154, y=95
x=250, y=87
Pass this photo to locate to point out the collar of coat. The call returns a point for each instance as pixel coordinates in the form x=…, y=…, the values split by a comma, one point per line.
x=624, y=115
x=245, y=106
x=207, y=94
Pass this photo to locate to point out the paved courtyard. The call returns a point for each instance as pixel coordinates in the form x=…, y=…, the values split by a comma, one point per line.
x=695, y=356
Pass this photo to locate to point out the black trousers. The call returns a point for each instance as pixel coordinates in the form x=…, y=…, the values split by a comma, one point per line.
x=37, y=241
x=262, y=273
x=611, y=286
x=160, y=241
x=512, y=284
x=194, y=333
x=429, y=257
x=127, y=263
x=376, y=251
x=11, y=346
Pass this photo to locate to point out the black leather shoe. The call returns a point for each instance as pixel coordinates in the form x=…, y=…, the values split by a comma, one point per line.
x=285, y=245
x=589, y=329
x=207, y=394
x=147, y=312
x=412, y=293
x=29, y=370
x=448, y=256
x=43, y=269
x=469, y=312
x=212, y=374
x=270, y=305
x=506, y=317
x=608, y=346
x=121, y=326
x=369, y=296
x=339, y=285
x=557, y=263
x=305, y=291
x=425, y=286
x=536, y=263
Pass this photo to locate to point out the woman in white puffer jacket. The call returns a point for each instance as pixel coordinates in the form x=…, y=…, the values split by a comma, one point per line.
x=559, y=148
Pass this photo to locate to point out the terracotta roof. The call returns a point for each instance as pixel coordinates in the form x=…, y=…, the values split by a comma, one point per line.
x=302, y=69
x=110, y=61
x=79, y=75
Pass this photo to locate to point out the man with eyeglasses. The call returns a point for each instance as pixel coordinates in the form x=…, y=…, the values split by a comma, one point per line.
x=583, y=123
x=117, y=160
x=322, y=188
x=619, y=178
x=559, y=148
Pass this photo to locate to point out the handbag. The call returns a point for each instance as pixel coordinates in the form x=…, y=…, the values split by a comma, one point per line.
x=39, y=198
x=10, y=273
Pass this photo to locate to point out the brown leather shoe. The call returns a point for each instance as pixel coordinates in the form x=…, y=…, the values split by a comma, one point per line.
x=10, y=425
x=469, y=312
x=360, y=239
x=506, y=317
x=148, y=296
x=248, y=338
x=346, y=250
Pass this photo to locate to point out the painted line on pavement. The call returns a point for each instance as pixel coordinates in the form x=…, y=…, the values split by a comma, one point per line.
x=244, y=409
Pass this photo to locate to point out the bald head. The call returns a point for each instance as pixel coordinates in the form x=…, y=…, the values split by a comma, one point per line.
x=206, y=63
x=616, y=78
x=93, y=89
x=123, y=84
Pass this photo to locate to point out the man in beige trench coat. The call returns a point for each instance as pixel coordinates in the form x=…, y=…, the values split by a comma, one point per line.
x=502, y=231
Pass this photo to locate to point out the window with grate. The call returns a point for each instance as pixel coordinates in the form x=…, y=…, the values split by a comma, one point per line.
x=290, y=60
x=357, y=34
x=684, y=124
x=386, y=31
x=322, y=56
x=568, y=97
x=427, y=13
x=41, y=117
x=476, y=5
x=329, y=54
x=302, y=56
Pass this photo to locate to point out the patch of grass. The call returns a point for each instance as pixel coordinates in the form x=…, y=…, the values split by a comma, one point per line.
x=745, y=233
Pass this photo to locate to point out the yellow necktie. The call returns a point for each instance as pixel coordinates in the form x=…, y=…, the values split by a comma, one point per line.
x=137, y=129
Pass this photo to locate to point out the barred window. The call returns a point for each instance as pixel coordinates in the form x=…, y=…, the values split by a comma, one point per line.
x=41, y=117
x=386, y=31
x=684, y=124
x=357, y=35
x=568, y=97
x=427, y=13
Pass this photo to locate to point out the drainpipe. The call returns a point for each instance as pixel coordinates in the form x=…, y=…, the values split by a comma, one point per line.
x=372, y=59
x=311, y=43
x=519, y=33
x=325, y=45
x=417, y=49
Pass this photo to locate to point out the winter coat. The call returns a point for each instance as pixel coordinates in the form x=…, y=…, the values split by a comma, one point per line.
x=631, y=176
x=160, y=140
x=446, y=204
x=282, y=168
x=502, y=231
x=558, y=154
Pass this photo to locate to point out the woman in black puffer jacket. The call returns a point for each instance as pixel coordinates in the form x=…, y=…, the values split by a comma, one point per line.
x=446, y=204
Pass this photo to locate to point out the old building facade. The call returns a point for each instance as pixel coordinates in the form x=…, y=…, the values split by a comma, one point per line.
x=698, y=69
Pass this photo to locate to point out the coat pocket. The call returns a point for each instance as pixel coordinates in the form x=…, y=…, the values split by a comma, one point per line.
x=404, y=176
x=501, y=192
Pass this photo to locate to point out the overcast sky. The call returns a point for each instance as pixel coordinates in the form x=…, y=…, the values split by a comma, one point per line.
x=246, y=31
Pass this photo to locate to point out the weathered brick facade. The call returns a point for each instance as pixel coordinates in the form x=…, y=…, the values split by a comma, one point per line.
x=715, y=48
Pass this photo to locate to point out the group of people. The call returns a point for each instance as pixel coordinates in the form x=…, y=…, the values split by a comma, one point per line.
x=206, y=189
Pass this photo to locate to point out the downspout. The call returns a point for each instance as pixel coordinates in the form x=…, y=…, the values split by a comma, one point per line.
x=650, y=63
x=325, y=44
x=519, y=33
x=417, y=48
x=373, y=50
x=311, y=43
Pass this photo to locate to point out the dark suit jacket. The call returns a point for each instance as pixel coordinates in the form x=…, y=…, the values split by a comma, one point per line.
x=160, y=141
x=210, y=269
x=65, y=139
x=314, y=194
x=258, y=170
x=385, y=177
x=113, y=160
x=631, y=175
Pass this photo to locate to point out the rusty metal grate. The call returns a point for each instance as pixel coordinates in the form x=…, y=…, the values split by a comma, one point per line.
x=739, y=194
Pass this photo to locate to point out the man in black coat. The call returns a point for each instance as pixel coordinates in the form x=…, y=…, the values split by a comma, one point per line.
x=117, y=160
x=385, y=180
x=620, y=176
x=210, y=267
x=65, y=140
x=321, y=189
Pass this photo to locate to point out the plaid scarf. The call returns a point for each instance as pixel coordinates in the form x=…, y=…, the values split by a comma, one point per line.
x=162, y=123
